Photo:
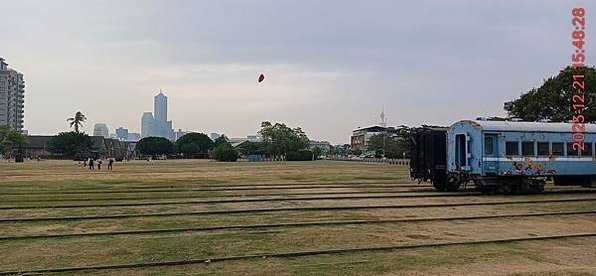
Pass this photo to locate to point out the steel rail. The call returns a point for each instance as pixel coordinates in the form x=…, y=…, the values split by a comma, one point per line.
x=405, y=194
x=215, y=189
x=222, y=196
x=290, y=224
x=291, y=209
x=291, y=254
x=187, y=202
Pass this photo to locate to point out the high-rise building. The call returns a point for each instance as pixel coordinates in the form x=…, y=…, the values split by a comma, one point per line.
x=122, y=133
x=156, y=123
x=147, y=125
x=12, y=97
x=133, y=136
x=160, y=107
x=101, y=129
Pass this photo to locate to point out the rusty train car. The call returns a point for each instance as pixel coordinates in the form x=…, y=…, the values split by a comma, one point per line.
x=503, y=156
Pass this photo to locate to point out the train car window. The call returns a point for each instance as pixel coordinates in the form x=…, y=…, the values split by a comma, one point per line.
x=543, y=149
x=489, y=145
x=558, y=149
x=587, y=149
x=511, y=148
x=527, y=148
x=571, y=151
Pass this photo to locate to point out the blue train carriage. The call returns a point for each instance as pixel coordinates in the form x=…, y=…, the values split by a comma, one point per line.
x=518, y=157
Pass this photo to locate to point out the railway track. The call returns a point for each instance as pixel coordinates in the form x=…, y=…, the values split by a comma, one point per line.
x=242, y=200
x=291, y=224
x=215, y=189
x=292, y=209
x=64, y=206
x=291, y=254
x=217, y=196
x=405, y=194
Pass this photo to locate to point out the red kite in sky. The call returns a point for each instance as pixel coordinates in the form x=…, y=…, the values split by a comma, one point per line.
x=261, y=78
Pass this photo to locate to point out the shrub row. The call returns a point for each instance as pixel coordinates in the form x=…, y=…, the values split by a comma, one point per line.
x=303, y=155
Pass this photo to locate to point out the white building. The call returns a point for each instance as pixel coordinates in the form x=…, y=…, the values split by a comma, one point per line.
x=101, y=129
x=180, y=133
x=214, y=136
x=12, y=97
x=325, y=146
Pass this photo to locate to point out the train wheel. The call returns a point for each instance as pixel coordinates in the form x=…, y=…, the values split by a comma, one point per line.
x=453, y=183
x=439, y=183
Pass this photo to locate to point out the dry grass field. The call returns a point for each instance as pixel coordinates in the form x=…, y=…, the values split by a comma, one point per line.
x=198, y=217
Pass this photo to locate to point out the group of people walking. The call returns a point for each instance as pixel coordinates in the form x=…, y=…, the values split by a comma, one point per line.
x=91, y=163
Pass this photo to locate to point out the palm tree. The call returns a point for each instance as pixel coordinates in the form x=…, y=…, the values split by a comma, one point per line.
x=77, y=121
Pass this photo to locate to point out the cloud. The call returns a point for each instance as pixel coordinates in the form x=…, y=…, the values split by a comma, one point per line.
x=331, y=65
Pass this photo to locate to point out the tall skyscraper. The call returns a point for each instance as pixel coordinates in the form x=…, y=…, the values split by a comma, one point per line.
x=12, y=97
x=156, y=123
x=160, y=107
x=101, y=129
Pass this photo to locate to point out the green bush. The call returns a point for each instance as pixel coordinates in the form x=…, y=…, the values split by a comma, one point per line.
x=224, y=153
x=303, y=155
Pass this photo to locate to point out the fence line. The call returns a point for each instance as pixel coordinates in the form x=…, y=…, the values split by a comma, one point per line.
x=392, y=161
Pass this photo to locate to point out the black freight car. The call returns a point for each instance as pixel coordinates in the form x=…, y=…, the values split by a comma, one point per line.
x=428, y=156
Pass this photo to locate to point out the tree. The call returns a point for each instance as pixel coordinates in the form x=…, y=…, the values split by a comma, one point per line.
x=224, y=152
x=194, y=143
x=248, y=148
x=553, y=100
x=70, y=143
x=316, y=152
x=280, y=139
x=10, y=138
x=154, y=146
x=77, y=120
x=221, y=140
x=394, y=146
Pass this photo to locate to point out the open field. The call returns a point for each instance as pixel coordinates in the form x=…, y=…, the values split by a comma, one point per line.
x=197, y=217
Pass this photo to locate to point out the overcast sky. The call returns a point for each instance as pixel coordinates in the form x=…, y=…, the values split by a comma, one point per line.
x=330, y=66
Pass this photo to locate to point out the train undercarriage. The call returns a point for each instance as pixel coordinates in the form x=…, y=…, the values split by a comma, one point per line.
x=507, y=184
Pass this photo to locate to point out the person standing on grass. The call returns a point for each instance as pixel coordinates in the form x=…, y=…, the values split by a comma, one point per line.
x=91, y=165
x=110, y=163
x=99, y=164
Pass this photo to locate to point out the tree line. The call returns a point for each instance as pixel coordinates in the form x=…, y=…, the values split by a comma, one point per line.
x=552, y=101
x=278, y=140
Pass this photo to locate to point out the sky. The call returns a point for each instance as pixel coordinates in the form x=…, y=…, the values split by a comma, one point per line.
x=331, y=66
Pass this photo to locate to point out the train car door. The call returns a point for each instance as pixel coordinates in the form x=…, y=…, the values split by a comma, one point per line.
x=461, y=152
x=491, y=152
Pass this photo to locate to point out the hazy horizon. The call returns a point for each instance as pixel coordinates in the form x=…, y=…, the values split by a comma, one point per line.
x=330, y=66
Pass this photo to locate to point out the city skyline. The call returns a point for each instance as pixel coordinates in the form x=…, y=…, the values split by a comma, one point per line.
x=417, y=60
x=156, y=123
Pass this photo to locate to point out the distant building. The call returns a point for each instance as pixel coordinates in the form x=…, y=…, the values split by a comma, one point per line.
x=214, y=136
x=180, y=133
x=12, y=97
x=249, y=138
x=147, y=125
x=132, y=136
x=253, y=138
x=101, y=129
x=156, y=123
x=122, y=133
x=361, y=136
x=104, y=147
x=325, y=146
